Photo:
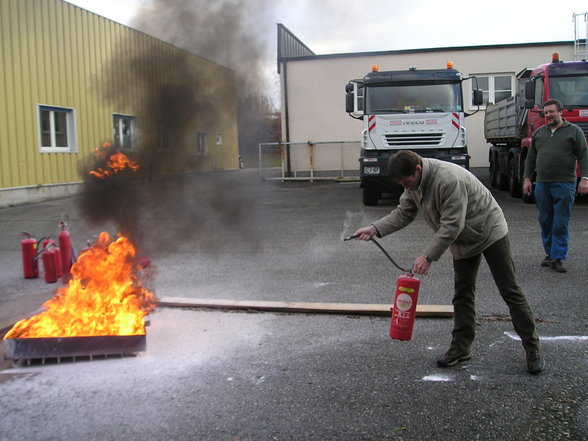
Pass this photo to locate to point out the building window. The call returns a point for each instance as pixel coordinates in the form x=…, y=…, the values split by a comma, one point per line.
x=163, y=137
x=201, y=143
x=495, y=87
x=219, y=139
x=123, y=131
x=57, y=129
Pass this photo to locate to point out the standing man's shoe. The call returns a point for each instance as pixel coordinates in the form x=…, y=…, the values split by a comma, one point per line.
x=535, y=362
x=558, y=266
x=548, y=261
x=452, y=357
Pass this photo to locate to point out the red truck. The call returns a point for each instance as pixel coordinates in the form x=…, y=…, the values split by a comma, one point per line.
x=509, y=124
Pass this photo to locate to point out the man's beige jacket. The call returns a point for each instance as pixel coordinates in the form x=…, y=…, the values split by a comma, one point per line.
x=456, y=205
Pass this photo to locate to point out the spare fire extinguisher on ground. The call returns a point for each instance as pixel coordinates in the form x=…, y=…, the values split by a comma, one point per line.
x=64, y=240
x=30, y=264
x=405, y=300
x=51, y=262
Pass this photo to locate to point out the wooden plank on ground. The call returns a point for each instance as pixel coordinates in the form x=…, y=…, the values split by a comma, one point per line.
x=303, y=307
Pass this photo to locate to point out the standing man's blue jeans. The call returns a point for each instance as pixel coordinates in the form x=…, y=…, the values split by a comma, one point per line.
x=554, y=202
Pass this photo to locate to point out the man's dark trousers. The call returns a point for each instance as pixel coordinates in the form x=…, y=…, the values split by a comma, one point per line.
x=499, y=259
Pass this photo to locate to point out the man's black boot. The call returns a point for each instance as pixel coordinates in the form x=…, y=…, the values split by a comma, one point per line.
x=558, y=266
x=452, y=357
x=535, y=362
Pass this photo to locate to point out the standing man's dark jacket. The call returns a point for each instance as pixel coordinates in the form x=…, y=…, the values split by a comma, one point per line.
x=553, y=155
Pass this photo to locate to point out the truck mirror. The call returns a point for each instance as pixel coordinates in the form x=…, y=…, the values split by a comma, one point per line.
x=529, y=104
x=349, y=99
x=530, y=90
x=478, y=97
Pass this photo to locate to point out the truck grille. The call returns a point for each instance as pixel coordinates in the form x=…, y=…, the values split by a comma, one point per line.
x=584, y=127
x=406, y=139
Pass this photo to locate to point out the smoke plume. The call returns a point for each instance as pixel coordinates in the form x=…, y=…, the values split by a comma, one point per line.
x=201, y=206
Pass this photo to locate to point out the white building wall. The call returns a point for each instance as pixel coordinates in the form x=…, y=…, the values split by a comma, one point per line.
x=316, y=86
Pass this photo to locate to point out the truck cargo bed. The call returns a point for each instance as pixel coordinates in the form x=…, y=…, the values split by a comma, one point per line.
x=502, y=124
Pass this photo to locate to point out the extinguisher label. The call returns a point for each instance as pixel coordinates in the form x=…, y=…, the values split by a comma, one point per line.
x=405, y=289
x=403, y=302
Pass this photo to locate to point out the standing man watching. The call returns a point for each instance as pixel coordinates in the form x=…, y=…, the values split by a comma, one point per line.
x=555, y=148
x=466, y=219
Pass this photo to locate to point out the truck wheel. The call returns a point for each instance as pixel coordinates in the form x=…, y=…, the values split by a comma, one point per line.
x=497, y=179
x=514, y=186
x=370, y=195
x=501, y=182
x=493, y=175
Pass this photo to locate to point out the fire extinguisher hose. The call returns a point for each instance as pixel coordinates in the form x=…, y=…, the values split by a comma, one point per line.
x=389, y=257
x=383, y=251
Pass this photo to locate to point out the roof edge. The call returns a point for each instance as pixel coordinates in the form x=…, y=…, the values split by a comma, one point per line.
x=434, y=49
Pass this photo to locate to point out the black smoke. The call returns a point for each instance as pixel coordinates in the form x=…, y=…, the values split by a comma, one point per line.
x=157, y=213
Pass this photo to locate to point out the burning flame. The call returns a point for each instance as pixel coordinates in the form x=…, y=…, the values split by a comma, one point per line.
x=115, y=163
x=103, y=297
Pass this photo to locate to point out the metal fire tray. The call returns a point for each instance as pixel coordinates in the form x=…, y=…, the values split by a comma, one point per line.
x=61, y=347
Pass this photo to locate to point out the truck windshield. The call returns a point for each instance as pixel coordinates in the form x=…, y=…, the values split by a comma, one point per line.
x=572, y=91
x=413, y=98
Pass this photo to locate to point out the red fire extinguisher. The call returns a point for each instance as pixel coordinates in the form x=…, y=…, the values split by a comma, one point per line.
x=51, y=262
x=404, y=309
x=405, y=300
x=30, y=265
x=66, y=249
x=86, y=248
x=49, y=245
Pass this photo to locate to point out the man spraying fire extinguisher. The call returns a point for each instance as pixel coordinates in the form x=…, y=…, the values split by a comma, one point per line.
x=466, y=219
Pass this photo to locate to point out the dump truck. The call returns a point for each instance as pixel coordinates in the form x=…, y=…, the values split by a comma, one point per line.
x=509, y=124
x=418, y=110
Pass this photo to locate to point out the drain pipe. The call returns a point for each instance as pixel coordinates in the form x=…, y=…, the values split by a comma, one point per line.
x=286, y=120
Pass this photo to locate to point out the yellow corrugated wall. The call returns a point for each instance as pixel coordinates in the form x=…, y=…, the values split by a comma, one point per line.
x=57, y=54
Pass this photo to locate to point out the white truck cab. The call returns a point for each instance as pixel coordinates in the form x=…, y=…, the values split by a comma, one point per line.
x=419, y=110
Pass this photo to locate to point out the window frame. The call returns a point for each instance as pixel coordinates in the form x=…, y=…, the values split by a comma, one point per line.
x=120, y=136
x=70, y=129
x=201, y=143
x=162, y=138
x=491, y=87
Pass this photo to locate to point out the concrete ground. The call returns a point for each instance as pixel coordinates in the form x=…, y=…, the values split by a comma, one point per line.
x=225, y=375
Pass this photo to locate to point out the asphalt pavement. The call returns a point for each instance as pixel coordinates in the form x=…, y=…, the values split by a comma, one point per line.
x=227, y=375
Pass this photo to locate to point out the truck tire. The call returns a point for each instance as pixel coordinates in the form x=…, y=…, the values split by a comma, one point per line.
x=370, y=195
x=497, y=179
x=501, y=181
x=514, y=186
x=493, y=174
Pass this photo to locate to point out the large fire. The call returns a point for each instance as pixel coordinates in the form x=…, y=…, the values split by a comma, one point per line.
x=103, y=297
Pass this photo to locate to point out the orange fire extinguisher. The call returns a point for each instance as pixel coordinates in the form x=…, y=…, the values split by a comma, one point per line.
x=404, y=309
x=30, y=265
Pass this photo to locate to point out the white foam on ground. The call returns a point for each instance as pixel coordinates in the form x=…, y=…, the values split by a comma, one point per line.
x=553, y=338
x=443, y=378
